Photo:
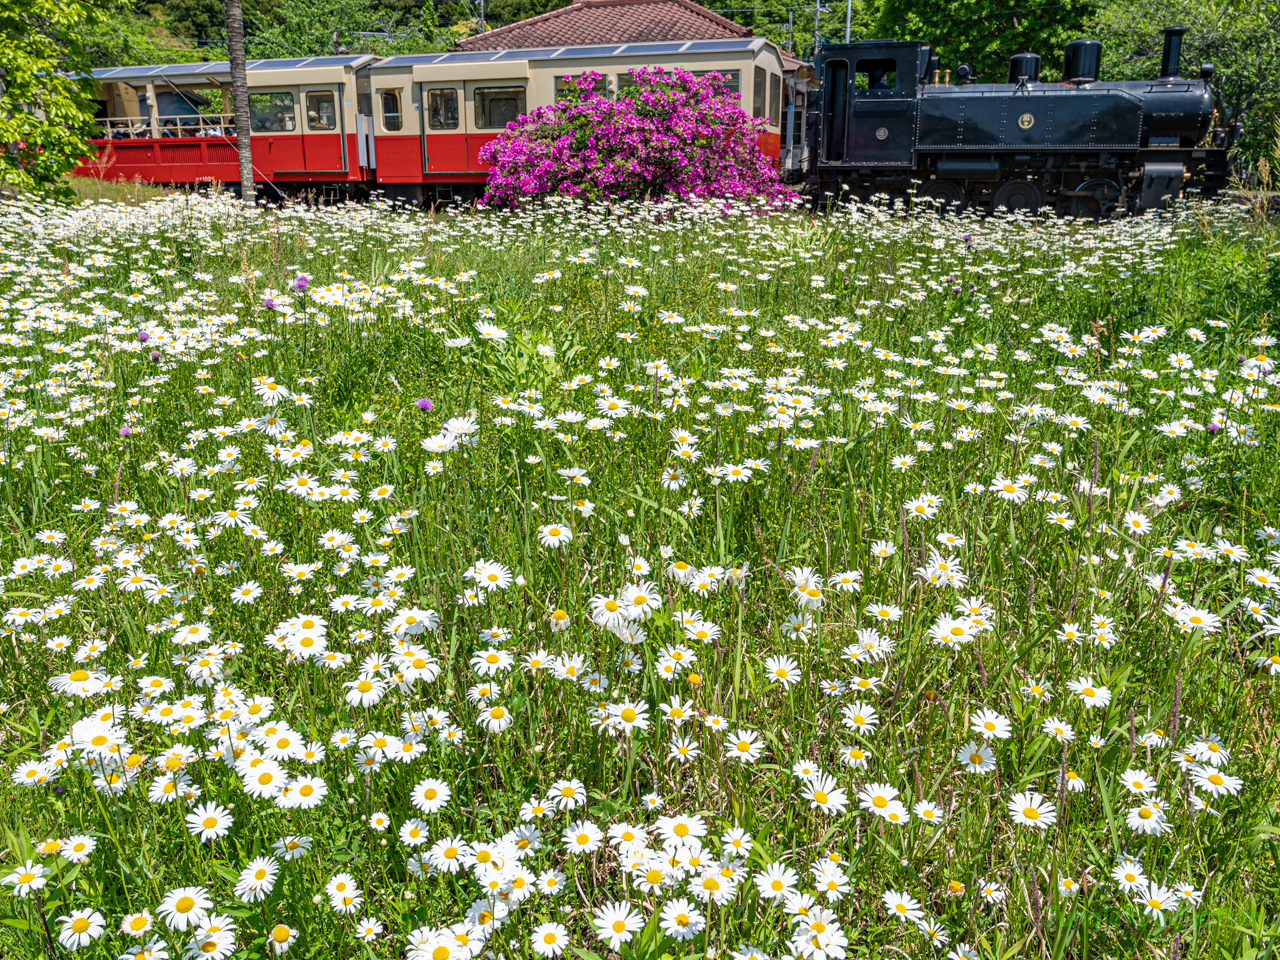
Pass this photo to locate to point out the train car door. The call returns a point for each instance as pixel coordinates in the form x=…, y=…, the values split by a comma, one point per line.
x=444, y=138
x=495, y=103
x=884, y=109
x=322, y=135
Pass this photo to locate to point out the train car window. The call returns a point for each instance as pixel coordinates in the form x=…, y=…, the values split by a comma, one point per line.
x=322, y=114
x=392, y=118
x=758, y=93
x=442, y=109
x=835, y=93
x=775, y=100
x=569, y=81
x=271, y=112
x=364, y=98
x=732, y=78
x=498, y=106
x=880, y=74
x=625, y=80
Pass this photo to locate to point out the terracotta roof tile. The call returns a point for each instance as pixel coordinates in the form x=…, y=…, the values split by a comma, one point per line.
x=610, y=21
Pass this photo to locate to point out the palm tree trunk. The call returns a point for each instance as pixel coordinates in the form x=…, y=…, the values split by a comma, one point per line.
x=240, y=95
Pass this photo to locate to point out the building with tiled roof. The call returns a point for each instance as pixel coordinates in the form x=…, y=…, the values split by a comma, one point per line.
x=610, y=21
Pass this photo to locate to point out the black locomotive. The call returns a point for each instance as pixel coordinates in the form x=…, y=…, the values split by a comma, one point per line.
x=887, y=120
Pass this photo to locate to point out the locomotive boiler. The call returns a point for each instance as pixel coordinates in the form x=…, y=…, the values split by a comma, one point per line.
x=886, y=120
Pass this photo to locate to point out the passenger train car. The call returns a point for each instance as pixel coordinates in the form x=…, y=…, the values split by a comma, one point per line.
x=173, y=123
x=410, y=127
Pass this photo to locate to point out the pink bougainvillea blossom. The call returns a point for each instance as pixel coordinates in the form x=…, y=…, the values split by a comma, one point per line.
x=667, y=133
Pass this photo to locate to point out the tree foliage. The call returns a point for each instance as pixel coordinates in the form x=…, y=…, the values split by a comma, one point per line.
x=1239, y=37
x=125, y=37
x=304, y=28
x=46, y=105
x=986, y=34
x=202, y=20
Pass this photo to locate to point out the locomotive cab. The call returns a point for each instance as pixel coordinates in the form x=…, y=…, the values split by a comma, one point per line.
x=868, y=103
x=890, y=123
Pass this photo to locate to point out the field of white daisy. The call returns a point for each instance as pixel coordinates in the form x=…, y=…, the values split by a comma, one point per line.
x=637, y=581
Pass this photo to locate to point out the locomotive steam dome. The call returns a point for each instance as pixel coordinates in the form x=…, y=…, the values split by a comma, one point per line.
x=1024, y=66
x=1081, y=61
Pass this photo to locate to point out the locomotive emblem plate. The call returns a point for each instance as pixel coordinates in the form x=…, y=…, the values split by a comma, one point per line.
x=882, y=133
x=1026, y=121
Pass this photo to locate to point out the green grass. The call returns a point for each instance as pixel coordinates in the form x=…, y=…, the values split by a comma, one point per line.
x=116, y=191
x=953, y=338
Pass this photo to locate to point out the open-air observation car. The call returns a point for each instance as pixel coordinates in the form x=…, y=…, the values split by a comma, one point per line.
x=173, y=123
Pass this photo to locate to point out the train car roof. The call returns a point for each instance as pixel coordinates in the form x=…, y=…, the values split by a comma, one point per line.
x=220, y=69
x=592, y=51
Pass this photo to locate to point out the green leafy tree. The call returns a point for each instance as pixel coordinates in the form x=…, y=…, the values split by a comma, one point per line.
x=204, y=21
x=1239, y=37
x=768, y=18
x=46, y=100
x=123, y=37
x=304, y=28
x=497, y=12
x=985, y=33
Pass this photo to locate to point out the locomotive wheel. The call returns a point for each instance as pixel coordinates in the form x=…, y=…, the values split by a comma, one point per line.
x=1015, y=195
x=1095, y=199
x=948, y=194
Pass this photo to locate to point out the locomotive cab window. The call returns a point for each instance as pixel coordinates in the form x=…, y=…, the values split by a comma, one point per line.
x=442, y=109
x=321, y=111
x=881, y=74
x=775, y=100
x=271, y=112
x=392, y=117
x=498, y=106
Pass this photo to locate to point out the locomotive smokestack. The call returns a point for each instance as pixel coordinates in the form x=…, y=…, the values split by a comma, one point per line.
x=1172, y=51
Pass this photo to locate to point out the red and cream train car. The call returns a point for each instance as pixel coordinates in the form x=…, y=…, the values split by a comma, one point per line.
x=433, y=112
x=172, y=123
x=410, y=127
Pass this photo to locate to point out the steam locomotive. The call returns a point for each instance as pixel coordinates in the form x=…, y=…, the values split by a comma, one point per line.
x=886, y=119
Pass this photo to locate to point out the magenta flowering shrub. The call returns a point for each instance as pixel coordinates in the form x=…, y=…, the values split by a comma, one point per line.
x=668, y=134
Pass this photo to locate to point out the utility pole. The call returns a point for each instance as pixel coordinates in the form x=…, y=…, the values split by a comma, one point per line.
x=848, y=19
x=240, y=96
x=791, y=45
x=335, y=43
x=817, y=33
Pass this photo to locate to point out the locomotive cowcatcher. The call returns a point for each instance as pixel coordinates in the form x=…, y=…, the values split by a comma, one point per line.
x=887, y=120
